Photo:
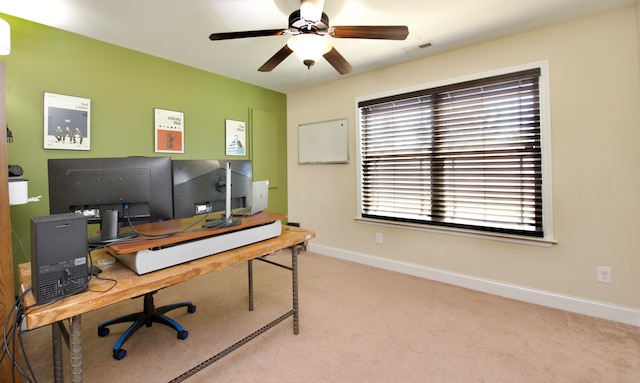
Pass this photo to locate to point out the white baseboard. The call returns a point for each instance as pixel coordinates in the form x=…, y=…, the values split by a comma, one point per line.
x=588, y=307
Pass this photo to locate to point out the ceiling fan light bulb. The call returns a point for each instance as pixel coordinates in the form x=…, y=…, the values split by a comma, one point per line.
x=309, y=47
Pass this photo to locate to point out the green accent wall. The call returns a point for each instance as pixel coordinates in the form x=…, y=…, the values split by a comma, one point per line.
x=124, y=87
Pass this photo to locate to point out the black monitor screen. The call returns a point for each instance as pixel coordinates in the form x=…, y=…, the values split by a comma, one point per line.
x=139, y=188
x=199, y=186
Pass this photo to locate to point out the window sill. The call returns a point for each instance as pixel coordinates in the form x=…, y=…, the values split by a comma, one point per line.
x=521, y=240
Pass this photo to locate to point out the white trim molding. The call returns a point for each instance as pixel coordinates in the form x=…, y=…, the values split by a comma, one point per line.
x=577, y=305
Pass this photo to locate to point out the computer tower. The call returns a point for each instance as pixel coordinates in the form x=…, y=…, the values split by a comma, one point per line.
x=58, y=256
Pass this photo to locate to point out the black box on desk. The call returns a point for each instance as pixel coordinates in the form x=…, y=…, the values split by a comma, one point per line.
x=58, y=256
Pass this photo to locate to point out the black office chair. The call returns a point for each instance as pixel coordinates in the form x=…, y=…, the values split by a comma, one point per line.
x=147, y=317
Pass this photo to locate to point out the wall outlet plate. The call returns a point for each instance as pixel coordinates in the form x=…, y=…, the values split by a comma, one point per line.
x=603, y=274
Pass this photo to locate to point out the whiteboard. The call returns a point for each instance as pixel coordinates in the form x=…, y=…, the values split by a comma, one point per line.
x=324, y=142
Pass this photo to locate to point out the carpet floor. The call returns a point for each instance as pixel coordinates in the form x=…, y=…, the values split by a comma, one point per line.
x=357, y=324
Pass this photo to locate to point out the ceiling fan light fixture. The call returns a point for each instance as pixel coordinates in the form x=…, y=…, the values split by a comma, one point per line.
x=308, y=27
x=309, y=47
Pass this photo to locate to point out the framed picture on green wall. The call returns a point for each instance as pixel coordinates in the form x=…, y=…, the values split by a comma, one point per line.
x=67, y=122
x=169, y=131
x=236, y=138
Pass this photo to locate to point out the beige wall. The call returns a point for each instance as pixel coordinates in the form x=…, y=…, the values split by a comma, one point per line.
x=595, y=134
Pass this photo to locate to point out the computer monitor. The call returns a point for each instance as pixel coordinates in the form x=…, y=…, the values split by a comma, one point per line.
x=138, y=188
x=199, y=186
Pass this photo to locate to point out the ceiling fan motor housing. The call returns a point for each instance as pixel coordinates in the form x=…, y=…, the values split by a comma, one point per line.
x=301, y=25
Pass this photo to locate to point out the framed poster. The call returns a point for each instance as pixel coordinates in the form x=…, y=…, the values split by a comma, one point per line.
x=236, y=138
x=169, y=131
x=67, y=122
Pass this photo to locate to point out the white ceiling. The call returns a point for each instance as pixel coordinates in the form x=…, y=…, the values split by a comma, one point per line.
x=179, y=30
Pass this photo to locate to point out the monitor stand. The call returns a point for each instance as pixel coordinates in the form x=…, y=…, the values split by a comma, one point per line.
x=109, y=230
x=228, y=220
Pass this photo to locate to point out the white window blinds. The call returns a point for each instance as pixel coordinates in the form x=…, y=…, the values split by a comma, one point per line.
x=465, y=155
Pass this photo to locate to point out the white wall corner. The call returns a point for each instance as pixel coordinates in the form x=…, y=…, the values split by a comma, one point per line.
x=583, y=306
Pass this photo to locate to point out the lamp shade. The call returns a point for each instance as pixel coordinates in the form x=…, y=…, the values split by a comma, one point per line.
x=309, y=47
x=5, y=38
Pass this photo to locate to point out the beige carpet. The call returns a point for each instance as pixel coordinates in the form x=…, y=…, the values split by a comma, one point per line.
x=358, y=324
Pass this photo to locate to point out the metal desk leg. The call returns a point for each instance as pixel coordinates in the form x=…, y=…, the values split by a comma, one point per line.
x=75, y=348
x=293, y=312
x=73, y=338
x=294, y=277
x=250, y=266
x=58, y=375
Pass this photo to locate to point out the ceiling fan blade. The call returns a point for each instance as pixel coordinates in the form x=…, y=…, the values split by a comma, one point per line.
x=276, y=59
x=338, y=61
x=240, y=35
x=383, y=32
x=311, y=10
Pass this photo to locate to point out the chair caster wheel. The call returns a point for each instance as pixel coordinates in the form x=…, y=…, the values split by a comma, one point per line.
x=191, y=309
x=119, y=354
x=102, y=332
x=183, y=334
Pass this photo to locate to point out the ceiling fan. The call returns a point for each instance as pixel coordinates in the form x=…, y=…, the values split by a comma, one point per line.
x=308, y=27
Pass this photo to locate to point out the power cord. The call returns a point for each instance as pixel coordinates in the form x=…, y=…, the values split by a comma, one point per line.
x=91, y=275
x=11, y=335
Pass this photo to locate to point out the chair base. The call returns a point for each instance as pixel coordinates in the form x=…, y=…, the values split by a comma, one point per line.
x=147, y=317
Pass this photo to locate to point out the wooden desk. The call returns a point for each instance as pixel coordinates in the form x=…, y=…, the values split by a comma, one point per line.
x=132, y=285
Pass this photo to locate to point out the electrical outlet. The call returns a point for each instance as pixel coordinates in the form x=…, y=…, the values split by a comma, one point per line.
x=604, y=274
x=378, y=238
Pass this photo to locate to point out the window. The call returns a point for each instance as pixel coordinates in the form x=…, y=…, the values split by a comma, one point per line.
x=466, y=155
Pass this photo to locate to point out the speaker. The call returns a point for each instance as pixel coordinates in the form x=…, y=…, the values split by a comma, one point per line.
x=58, y=256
